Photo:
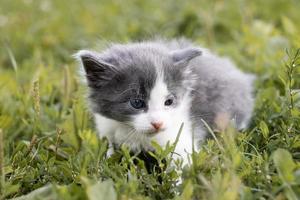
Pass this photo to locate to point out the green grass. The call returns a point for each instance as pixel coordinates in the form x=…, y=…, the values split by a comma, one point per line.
x=47, y=141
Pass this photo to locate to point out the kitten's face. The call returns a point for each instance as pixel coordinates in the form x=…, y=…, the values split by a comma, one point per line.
x=139, y=86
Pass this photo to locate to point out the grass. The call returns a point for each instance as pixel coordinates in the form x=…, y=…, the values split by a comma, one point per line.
x=48, y=146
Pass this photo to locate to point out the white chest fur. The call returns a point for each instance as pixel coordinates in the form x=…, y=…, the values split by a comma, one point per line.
x=119, y=134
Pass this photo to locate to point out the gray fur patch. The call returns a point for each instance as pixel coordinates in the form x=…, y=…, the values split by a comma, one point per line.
x=116, y=77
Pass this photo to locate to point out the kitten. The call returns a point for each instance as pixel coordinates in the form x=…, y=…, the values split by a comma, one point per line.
x=144, y=91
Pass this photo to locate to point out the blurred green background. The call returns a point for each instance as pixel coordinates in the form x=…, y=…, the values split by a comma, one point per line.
x=40, y=93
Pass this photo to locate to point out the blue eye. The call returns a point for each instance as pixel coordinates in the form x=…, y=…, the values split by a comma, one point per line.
x=137, y=103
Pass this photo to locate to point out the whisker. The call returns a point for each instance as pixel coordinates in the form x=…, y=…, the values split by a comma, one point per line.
x=201, y=116
x=130, y=135
x=126, y=90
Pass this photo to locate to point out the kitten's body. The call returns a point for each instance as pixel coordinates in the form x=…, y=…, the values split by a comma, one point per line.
x=201, y=86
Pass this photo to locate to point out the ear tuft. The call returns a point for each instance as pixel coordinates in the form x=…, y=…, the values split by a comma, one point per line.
x=185, y=55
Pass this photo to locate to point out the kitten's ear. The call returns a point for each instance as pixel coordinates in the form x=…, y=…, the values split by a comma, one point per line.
x=97, y=71
x=183, y=56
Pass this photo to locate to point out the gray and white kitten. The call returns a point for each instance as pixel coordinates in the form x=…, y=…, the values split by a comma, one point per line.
x=144, y=91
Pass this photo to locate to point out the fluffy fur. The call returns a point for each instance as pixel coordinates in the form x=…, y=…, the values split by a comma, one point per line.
x=199, y=85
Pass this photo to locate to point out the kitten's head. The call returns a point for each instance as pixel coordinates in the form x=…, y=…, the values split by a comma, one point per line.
x=142, y=86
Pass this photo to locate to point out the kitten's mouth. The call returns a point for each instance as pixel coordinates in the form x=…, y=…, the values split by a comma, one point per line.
x=154, y=132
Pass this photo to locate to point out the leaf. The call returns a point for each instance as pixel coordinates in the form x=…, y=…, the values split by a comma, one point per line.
x=9, y=188
x=283, y=81
x=187, y=191
x=285, y=167
x=157, y=147
x=264, y=129
x=102, y=190
x=45, y=193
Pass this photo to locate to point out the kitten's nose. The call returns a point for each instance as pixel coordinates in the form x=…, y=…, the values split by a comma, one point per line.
x=157, y=125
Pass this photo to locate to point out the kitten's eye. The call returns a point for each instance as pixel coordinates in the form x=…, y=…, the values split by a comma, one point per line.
x=137, y=103
x=169, y=102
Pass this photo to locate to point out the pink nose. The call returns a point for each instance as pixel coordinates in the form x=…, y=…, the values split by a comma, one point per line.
x=157, y=125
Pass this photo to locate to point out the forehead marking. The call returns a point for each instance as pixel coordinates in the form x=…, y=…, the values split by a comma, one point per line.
x=158, y=93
